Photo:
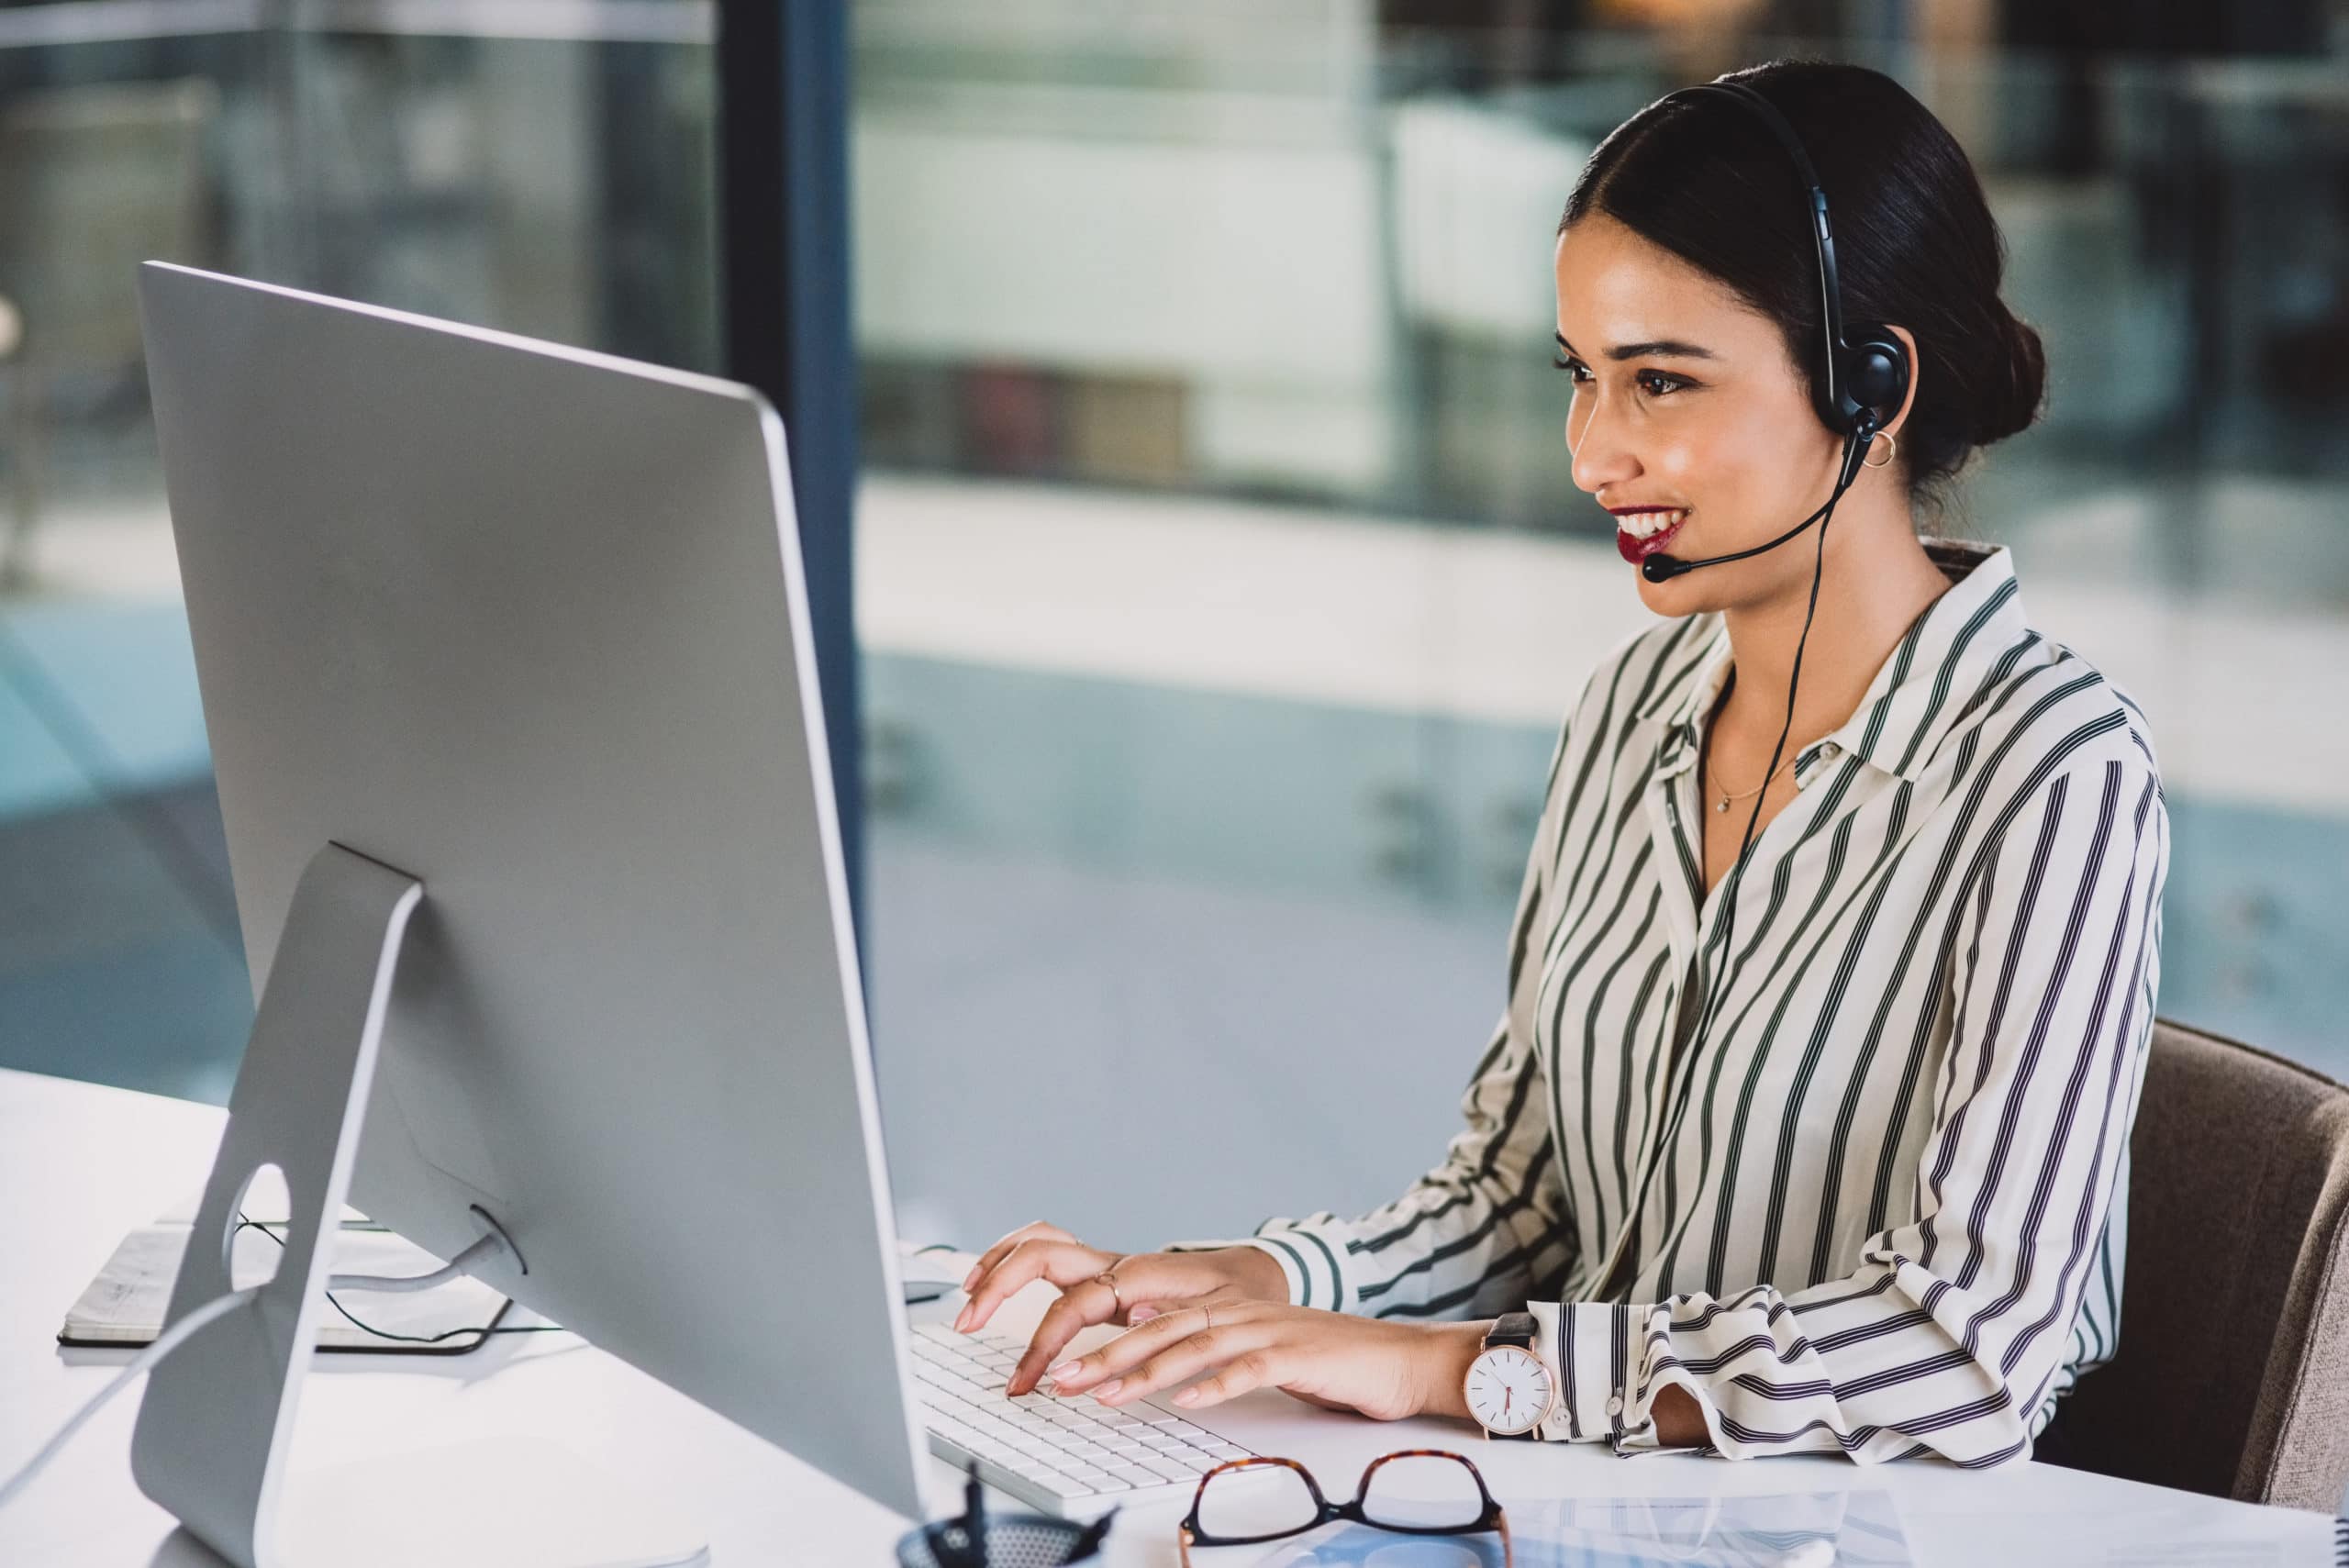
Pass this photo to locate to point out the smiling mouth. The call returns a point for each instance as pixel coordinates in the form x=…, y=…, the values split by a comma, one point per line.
x=1639, y=535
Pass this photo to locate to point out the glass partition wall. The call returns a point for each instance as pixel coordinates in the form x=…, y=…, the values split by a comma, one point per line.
x=1223, y=581
x=1220, y=578
x=543, y=170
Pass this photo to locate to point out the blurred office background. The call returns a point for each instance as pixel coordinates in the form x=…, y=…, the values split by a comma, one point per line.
x=1220, y=576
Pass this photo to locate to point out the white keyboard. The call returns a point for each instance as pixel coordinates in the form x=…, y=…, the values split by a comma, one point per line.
x=1074, y=1457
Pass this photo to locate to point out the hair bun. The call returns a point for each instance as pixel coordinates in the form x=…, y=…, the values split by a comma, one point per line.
x=2020, y=377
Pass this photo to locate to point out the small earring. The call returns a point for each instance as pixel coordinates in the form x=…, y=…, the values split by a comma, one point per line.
x=1891, y=449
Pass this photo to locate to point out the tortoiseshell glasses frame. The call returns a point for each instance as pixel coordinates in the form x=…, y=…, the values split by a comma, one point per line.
x=1490, y=1517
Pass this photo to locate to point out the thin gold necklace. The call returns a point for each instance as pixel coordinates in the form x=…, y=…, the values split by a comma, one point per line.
x=1722, y=804
x=1723, y=701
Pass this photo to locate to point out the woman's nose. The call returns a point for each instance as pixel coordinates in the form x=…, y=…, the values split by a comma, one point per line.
x=1600, y=456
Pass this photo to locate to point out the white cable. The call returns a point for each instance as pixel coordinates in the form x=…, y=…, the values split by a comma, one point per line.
x=165, y=1343
x=177, y=1334
x=461, y=1264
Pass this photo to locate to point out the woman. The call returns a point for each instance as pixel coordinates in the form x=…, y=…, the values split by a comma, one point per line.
x=1868, y=1197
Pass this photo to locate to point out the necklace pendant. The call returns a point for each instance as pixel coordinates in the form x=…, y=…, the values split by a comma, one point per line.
x=1723, y=806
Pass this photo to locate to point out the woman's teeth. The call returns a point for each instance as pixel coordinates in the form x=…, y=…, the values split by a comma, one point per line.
x=1647, y=525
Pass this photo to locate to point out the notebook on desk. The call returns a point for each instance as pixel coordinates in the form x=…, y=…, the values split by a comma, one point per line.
x=125, y=1305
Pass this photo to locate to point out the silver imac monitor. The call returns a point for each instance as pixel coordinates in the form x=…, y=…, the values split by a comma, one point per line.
x=523, y=626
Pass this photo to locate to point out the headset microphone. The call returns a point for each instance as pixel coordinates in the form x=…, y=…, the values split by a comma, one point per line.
x=1663, y=567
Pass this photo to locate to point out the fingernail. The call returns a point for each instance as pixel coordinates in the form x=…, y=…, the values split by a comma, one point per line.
x=1063, y=1371
x=962, y=1318
x=971, y=1278
x=1188, y=1396
x=1109, y=1388
x=1142, y=1315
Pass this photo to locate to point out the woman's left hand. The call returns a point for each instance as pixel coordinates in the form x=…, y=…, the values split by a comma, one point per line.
x=1383, y=1370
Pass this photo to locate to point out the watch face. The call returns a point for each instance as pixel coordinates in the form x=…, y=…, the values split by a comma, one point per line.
x=1509, y=1390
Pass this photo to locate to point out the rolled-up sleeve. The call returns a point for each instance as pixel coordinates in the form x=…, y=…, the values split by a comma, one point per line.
x=1947, y=1338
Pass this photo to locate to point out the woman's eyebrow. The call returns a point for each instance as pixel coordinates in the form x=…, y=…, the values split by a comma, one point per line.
x=1662, y=347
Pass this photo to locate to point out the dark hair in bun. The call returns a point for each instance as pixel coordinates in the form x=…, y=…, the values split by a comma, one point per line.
x=1915, y=244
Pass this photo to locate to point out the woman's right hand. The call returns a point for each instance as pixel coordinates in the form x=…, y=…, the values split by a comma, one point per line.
x=1147, y=1284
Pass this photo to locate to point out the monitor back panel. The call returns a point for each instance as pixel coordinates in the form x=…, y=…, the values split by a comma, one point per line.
x=527, y=623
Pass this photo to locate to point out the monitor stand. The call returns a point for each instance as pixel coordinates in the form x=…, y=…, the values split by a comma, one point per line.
x=217, y=1421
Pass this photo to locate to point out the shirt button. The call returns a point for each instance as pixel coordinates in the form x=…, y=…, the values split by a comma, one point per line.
x=1830, y=750
x=1614, y=1404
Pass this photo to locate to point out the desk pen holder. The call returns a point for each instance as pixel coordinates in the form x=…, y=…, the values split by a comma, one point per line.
x=1008, y=1540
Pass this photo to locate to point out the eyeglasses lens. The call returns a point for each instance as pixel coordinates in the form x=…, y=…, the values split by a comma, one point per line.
x=1256, y=1500
x=1423, y=1492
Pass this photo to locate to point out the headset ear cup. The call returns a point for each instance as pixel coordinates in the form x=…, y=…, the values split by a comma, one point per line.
x=1876, y=375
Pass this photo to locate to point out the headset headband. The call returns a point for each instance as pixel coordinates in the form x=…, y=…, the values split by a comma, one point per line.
x=1881, y=362
x=1830, y=288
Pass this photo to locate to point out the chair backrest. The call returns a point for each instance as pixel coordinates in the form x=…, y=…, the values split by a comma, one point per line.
x=2232, y=1377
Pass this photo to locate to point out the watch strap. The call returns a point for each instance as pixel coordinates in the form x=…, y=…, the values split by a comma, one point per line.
x=1517, y=1328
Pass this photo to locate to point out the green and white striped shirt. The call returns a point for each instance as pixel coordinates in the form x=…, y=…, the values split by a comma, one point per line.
x=1880, y=1210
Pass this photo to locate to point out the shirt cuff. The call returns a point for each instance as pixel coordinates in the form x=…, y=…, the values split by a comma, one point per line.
x=1589, y=1344
x=1600, y=1351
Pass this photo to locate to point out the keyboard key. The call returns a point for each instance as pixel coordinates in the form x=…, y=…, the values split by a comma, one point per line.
x=1065, y=1446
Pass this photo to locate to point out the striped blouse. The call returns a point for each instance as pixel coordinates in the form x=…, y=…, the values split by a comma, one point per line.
x=1880, y=1211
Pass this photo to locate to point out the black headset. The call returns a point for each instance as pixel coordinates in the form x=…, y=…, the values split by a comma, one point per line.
x=1865, y=380
x=1867, y=373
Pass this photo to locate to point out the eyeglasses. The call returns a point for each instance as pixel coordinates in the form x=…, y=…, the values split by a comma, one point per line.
x=1420, y=1490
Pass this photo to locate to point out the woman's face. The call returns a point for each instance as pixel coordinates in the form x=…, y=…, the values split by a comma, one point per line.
x=1688, y=420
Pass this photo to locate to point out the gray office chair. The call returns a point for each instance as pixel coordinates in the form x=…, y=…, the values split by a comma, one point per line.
x=93, y=179
x=2232, y=1374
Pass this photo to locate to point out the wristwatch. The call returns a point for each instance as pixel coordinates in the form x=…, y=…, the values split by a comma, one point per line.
x=1510, y=1390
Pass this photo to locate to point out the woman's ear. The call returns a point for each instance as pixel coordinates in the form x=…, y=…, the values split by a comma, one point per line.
x=1908, y=341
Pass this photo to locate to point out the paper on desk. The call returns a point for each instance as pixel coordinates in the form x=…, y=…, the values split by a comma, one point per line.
x=1794, y=1530
x=126, y=1304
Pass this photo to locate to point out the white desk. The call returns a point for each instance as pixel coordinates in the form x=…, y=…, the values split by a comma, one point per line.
x=80, y=1165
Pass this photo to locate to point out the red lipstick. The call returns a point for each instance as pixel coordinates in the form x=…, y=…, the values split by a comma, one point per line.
x=1635, y=549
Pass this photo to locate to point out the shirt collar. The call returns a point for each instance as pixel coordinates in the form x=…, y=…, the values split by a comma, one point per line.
x=1917, y=691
